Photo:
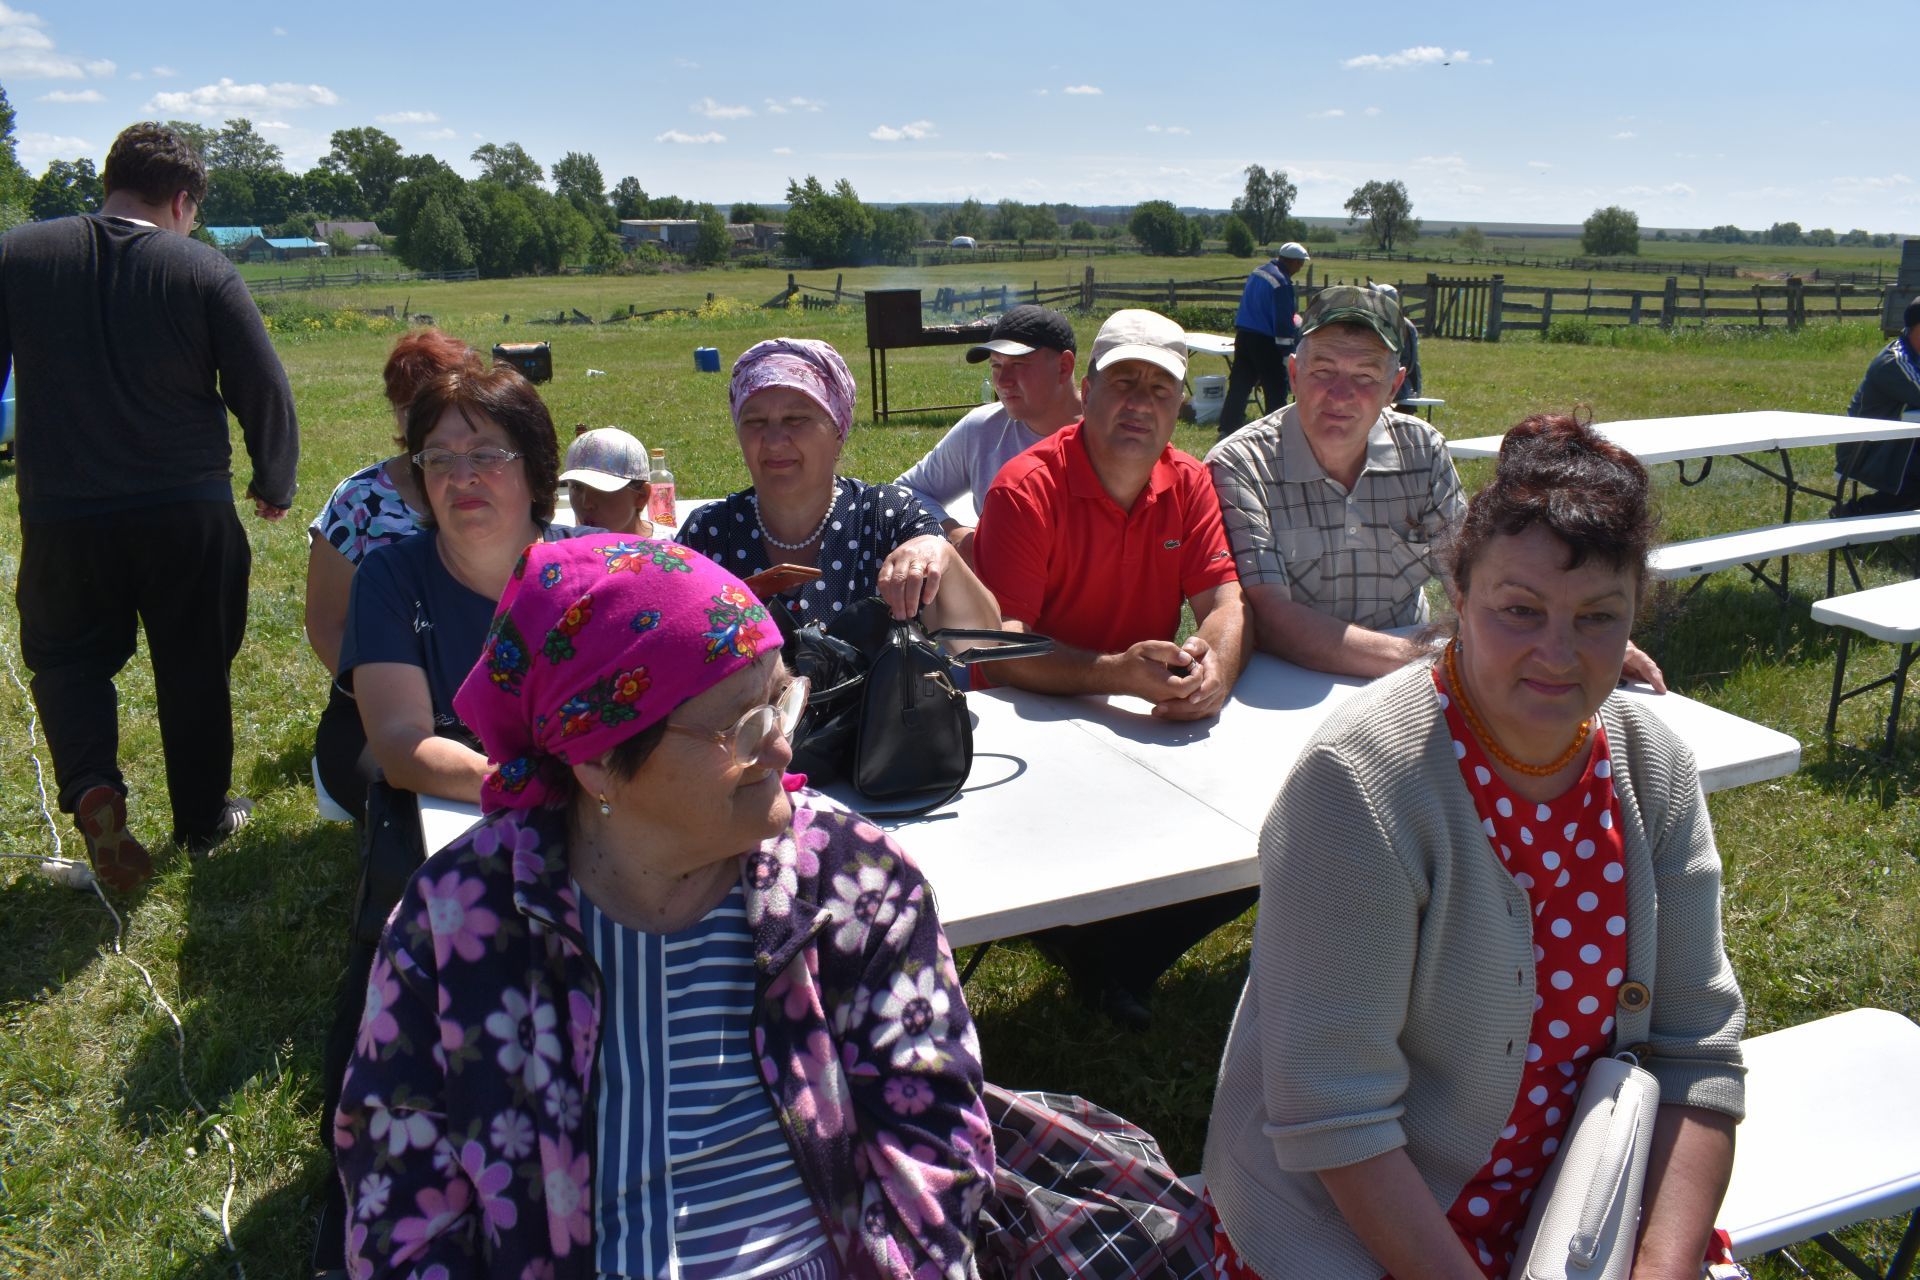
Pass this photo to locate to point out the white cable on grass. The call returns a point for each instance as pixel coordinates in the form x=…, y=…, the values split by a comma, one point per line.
x=80, y=875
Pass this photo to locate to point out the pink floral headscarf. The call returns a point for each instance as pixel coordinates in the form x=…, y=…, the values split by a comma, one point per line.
x=804, y=364
x=595, y=639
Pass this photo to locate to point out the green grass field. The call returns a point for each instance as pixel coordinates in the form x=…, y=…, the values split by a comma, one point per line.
x=106, y=1170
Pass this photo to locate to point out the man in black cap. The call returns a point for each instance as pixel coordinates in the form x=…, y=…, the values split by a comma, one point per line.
x=1890, y=389
x=1264, y=331
x=1032, y=352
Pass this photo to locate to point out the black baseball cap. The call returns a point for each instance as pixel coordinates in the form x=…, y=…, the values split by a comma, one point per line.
x=1025, y=328
x=1912, y=317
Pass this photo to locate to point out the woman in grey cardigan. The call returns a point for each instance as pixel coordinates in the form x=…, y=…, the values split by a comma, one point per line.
x=1472, y=868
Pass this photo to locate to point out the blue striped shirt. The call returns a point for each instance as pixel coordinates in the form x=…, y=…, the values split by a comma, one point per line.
x=694, y=1179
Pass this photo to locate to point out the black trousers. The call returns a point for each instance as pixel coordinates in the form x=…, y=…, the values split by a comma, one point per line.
x=340, y=752
x=1256, y=358
x=1133, y=951
x=86, y=586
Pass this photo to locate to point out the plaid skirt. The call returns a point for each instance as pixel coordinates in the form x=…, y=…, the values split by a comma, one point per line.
x=1080, y=1192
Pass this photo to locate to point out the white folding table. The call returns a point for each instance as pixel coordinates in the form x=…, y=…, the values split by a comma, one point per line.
x=1080, y=809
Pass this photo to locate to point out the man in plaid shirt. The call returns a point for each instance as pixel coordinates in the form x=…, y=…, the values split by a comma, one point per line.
x=1333, y=504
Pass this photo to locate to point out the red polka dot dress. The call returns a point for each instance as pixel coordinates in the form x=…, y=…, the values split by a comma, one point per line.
x=1568, y=856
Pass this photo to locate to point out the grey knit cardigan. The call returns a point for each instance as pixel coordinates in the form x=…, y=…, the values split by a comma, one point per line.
x=1392, y=981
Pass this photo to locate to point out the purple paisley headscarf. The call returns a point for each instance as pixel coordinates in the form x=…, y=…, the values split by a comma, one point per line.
x=595, y=639
x=804, y=364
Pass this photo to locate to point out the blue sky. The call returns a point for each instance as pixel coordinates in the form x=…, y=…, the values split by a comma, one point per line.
x=1692, y=114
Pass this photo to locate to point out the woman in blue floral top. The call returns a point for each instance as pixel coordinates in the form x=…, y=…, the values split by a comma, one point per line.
x=663, y=1011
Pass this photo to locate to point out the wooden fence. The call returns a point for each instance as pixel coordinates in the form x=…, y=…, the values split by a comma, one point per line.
x=342, y=279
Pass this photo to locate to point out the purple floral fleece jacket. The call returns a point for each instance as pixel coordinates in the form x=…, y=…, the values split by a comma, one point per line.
x=466, y=1128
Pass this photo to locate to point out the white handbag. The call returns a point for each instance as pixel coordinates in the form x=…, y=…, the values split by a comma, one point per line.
x=1585, y=1219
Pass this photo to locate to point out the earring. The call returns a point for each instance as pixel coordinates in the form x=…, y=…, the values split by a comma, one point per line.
x=606, y=810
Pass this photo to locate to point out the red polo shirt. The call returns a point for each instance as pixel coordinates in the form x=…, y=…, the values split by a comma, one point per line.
x=1062, y=557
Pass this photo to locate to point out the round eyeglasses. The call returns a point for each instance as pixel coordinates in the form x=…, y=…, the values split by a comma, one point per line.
x=753, y=732
x=486, y=460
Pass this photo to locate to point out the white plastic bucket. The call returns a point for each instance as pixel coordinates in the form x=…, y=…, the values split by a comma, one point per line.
x=1209, y=397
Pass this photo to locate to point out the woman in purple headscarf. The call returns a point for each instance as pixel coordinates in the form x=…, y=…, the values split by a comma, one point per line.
x=792, y=404
x=663, y=1011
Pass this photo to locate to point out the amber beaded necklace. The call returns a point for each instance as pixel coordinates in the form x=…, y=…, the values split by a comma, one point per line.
x=1485, y=734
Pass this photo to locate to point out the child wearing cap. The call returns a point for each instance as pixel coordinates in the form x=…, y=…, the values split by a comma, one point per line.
x=606, y=479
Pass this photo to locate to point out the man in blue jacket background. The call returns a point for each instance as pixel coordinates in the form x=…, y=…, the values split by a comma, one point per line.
x=1264, y=331
x=1890, y=388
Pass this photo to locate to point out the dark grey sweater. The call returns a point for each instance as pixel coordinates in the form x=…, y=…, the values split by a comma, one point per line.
x=129, y=344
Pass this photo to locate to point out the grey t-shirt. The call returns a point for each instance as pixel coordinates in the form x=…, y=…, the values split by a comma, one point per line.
x=968, y=458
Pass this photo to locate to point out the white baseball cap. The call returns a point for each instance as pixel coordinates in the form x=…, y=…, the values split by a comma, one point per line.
x=1136, y=334
x=606, y=458
x=1293, y=250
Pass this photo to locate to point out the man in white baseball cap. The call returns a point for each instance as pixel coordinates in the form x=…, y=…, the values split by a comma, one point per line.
x=1096, y=536
x=1264, y=331
x=606, y=479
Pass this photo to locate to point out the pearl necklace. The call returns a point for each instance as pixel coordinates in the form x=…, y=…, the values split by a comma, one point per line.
x=1486, y=737
x=807, y=541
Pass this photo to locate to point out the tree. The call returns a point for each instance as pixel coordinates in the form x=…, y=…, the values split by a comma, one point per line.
x=1858, y=237
x=239, y=148
x=372, y=160
x=896, y=231
x=1822, y=237
x=712, y=245
x=1611, y=230
x=1726, y=233
x=16, y=184
x=1161, y=229
x=507, y=164
x=438, y=241
x=1239, y=239
x=1473, y=240
x=1784, y=233
x=829, y=228
x=67, y=187
x=1388, y=211
x=629, y=198
x=576, y=177
x=1268, y=199
x=1081, y=230
x=333, y=195
x=742, y=213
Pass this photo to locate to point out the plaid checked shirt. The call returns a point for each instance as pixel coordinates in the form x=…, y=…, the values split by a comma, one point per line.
x=1361, y=556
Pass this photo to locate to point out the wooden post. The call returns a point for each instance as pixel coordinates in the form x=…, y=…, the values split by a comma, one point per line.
x=836, y=287
x=1494, y=303
x=1086, y=287
x=1669, y=302
x=1633, y=312
x=1589, y=297
x=1173, y=299
x=1433, y=304
x=1796, y=303
x=1759, y=308
x=1546, y=312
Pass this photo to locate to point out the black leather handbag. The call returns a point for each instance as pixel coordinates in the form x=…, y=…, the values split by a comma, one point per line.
x=884, y=712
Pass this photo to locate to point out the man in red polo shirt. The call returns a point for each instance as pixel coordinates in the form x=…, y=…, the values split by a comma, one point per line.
x=1096, y=536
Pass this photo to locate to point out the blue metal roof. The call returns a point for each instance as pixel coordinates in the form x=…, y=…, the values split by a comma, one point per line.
x=295, y=242
x=234, y=235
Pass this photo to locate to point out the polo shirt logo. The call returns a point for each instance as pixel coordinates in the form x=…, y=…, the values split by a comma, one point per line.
x=1171, y=543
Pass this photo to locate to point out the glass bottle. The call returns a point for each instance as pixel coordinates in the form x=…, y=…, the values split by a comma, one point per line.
x=660, y=502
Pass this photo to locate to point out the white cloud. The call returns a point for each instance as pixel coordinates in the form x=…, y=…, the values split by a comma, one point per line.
x=1331, y=113
x=686, y=64
x=1890, y=182
x=674, y=135
x=1625, y=135
x=1168, y=128
x=408, y=117
x=272, y=124
x=163, y=73
x=1083, y=89
x=719, y=110
x=27, y=51
x=1371, y=111
x=1671, y=189
x=997, y=155
x=777, y=107
x=1441, y=162
x=102, y=68
x=279, y=31
x=783, y=151
x=211, y=100
x=1041, y=93
x=35, y=149
x=915, y=132
x=1425, y=55
x=73, y=95
x=1540, y=164
x=439, y=135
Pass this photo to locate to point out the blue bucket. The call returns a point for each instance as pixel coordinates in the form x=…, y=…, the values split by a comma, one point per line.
x=706, y=359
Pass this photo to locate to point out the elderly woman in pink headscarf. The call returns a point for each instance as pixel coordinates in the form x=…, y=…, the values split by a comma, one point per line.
x=663, y=1011
x=792, y=404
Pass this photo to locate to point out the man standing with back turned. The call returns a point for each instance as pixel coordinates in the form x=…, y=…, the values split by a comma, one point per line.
x=129, y=342
x=1263, y=336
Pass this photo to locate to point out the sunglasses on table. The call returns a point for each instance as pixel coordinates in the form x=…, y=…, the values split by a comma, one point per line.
x=487, y=460
x=753, y=732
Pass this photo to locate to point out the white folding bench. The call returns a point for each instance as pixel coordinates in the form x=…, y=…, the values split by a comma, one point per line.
x=1831, y=1138
x=1415, y=404
x=1890, y=613
x=1754, y=548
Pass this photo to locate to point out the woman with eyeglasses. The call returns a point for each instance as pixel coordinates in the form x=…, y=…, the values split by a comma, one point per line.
x=483, y=455
x=377, y=504
x=663, y=1011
